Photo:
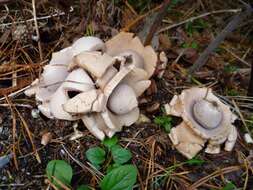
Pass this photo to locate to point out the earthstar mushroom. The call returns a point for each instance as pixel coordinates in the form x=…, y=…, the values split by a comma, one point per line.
x=205, y=119
x=96, y=82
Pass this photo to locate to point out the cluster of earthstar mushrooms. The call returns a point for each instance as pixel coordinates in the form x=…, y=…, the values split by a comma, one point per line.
x=205, y=119
x=99, y=83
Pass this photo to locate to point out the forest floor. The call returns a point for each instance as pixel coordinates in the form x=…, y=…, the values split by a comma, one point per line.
x=160, y=166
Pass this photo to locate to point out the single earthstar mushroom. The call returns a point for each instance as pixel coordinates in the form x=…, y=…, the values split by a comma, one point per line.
x=206, y=119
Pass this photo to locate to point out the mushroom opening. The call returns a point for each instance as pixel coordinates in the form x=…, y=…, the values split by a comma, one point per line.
x=72, y=93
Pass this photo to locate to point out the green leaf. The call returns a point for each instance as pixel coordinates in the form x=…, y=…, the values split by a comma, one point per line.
x=164, y=121
x=61, y=170
x=120, y=155
x=111, y=167
x=121, y=178
x=229, y=186
x=95, y=155
x=83, y=187
x=109, y=142
x=230, y=68
x=185, y=45
x=194, y=45
x=232, y=92
x=195, y=161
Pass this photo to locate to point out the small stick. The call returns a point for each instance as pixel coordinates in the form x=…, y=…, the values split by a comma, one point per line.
x=217, y=41
x=157, y=22
x=197, y=17
x=237, y=57
x=37, y=29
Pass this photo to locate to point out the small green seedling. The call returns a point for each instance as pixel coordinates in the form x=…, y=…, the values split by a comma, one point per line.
x=195, y=26
x=110, y=142
x=193, y=45
x=164, y=122
x=118, y=175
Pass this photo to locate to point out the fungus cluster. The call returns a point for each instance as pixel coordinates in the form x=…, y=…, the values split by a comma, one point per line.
x=96, y=82
x=205, y=120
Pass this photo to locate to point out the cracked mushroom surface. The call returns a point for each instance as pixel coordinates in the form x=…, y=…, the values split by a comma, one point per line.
x=96, y=82
x=205, y=119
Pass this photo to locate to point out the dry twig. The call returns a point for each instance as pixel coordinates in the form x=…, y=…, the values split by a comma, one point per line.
x=198, y=17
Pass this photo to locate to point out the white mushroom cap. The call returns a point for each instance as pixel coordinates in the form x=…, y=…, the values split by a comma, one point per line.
x=56, y=71
x=91, y=124
x=124, y=71
x=43, y=94
x=62, y=57
x=45, y=110
x=122, y=99
x=186, y=141
x=231, y=140
x=111, y=120
x=59, y=98
x=183, y=104
x=88, y=43
x=100, y=104
x=129, y=118
x=140, y=87
x=102, y=126
x=78, y=81
x=175, y=107
x=202, y=108
x=54, y=75
x=81, y=103
x=107, y=76
x=94, y=62
x=126, y=41
x=40, y=90
x=33, y=89
x=137, y=80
